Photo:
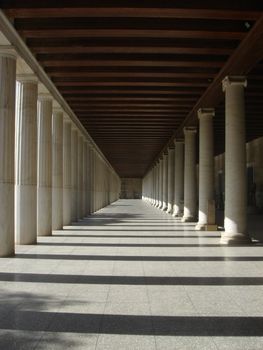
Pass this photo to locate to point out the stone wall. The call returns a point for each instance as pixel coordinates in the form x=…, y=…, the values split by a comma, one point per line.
x=131, y=188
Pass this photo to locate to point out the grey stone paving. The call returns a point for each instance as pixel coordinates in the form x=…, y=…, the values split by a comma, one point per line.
x=132, y=277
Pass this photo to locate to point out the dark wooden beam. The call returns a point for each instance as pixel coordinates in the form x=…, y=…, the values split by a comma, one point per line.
x=130, y=33
x=131, y=50
x=175, y=13
x=64, y=64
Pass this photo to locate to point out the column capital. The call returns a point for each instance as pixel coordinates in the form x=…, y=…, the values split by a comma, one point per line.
x=170, y=145
x=27, y=78
x=190, y=130
x=178, y=141
x=58, y=110
x=45, y=97
x=74, y=127
x=234, y=80
x=8, y=51
x=206, y=112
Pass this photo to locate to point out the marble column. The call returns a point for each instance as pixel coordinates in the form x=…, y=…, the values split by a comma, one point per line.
x=170, y=179
x=206, y=170
x=235, y=163
x=26, y=160
x=160, y=183
x=67, y=189
x=74, y=173
x=92, y=206
x=157, y=185
x=178, y=178
x=190, y=185
x=165, y=182
x=7, y=141
x=44, y=169
x=85, y=179
x=57, y=169
x=88, y=179
x=153, y=185
x=80, y=213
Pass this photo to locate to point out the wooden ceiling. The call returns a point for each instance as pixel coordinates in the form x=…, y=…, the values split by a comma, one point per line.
x=135, y=72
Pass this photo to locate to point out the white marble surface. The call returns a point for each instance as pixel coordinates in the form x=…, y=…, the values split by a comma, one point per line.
x=132, y=277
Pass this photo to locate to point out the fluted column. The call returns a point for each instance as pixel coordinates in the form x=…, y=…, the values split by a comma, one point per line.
x=44, y=171
x=88, y=179
x=206, y=170
x=92, y=193
x=170, y=179
x=165, y=181
x=235, y=163
x=26, y=160
x=67, y=189
x=85, y=179
x=178, y=178
x=80, y=177
x=153, y=185
x=74, y=174
x=160, y=183
x=7, y=141
x=190, y=185
x=57, y=169
x=156, y=203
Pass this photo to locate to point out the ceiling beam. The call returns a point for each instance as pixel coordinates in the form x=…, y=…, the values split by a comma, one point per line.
x=73, y=49
x=131, y=33
x=132, y=13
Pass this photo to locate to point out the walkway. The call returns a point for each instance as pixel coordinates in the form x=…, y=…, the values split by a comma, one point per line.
x=132, y=277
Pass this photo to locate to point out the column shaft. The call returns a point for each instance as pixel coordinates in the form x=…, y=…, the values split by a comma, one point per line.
x=67, y=189
x=178, y=178
x=170, y=179
x=57, y=170
x=235, y=163
x=7, y=141
x=44, y=173
x=206, y=169
x=190, y=185
x=80, y=213
x=165, y=182
x=74, y=174
x=160, y=183
x=85, y=179
x=26, y=161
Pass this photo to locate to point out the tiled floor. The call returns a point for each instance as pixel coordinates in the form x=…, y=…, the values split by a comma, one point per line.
x=132, y=277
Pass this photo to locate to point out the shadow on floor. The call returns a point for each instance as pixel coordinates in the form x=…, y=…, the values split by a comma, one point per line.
x=137, y=258
x=131, y=280
x=131, y=245
x=133, y=325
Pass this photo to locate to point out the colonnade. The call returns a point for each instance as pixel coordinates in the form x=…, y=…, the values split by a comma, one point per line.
x=51, y=171
x=192, y=200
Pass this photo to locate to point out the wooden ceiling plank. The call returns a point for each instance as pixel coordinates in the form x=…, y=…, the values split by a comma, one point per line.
x=64, y=64
x=131, y=50
x=130, y=33
x=123, y=74
x=138, y=83
x=193, y=13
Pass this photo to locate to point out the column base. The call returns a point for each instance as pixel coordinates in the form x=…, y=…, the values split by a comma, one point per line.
x=234, y=238
x=200, y=227
x=164, y=208
x=177, y=215
x=205, y=227
x=188, y=219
